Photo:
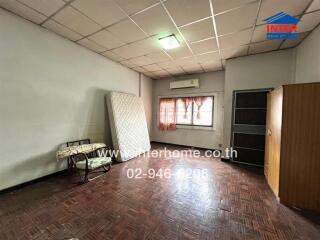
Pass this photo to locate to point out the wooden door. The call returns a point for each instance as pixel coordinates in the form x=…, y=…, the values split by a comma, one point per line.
x=268, y=139
x=273, y=139
x=300, y=151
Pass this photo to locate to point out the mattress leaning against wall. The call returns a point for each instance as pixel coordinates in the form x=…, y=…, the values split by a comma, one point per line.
x=128, y=125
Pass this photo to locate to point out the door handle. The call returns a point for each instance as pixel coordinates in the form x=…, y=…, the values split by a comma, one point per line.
x=269, y=132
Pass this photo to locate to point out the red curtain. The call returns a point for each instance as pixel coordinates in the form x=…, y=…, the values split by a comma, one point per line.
x=167, y=114
x=199, y=102
x=187, y=102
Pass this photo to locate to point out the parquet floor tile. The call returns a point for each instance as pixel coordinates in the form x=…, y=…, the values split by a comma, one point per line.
x=231, y=202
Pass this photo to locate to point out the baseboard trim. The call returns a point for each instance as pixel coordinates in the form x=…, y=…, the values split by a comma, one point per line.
x=185, y=146
x=31, y=182
x=225, y=159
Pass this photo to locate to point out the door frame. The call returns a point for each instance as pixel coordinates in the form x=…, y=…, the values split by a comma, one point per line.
x=233, y=118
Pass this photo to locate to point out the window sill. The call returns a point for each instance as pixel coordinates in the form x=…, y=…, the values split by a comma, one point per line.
x=196, y=127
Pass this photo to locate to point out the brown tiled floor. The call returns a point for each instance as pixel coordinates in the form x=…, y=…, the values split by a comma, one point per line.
x=230, y=203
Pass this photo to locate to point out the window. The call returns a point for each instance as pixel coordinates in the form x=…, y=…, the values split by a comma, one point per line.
x=193, y=111
x=167, y=114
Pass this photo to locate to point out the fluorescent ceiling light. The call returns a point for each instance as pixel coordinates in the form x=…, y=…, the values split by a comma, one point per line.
x=169, y=42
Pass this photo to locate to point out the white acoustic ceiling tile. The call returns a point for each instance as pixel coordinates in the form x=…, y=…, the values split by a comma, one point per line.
x=260, y=33
x=127, y=31
x=113, y=56
x=133, y=6
x=234, y=52
x=104, y=12
x=46, y=7
x=272, y=7
x=192, y=68
x=22, y=11
x=315, y=5
x=152, y=67
x=208, y=57
x=168, y=64
x=175, y=70
x=62, y=30
x=293, y=43
x=136, y=49
x=235, y=39
x=161, y=73
x=150, y=74
x=265, y=46
x=186, y=11
x=128, y=64
x=179, y=52
x=147, y=45
x=204, y=46
x=309, y=21
x=127, y=51
x=154, y=20
x=140, y=69
x=106, y=39
x=91, y=45
x=237, y=20
x=76, y=21
x=158, y=57
x=141, y=61
x=147, y=73
x=212, y=66
x=185, y=61
x=143, y=71
x=223, y=5
x=198, y=31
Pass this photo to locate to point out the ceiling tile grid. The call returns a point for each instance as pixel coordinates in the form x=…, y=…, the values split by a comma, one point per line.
x=188, y=10
x=92, y=45
x=102, y=12
x=45, y=7
x=198, y=30
x=235, y=20
x=23, y=11
x=106, y=39
x=62, y=30
x=76, y=21
x=127, y=31
x=154, y=20
x=314, y=6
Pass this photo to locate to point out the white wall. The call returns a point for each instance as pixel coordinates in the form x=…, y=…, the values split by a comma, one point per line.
x=308, y=59
x=209, y=83
x=146, y=95
x=268, y=70
x=51, y=91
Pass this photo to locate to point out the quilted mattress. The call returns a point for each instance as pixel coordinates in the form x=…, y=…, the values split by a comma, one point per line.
x=128, y=125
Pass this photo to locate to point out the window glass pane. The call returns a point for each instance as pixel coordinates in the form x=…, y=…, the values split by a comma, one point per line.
x=183, y=116
x=204, y=116
x=167, y=114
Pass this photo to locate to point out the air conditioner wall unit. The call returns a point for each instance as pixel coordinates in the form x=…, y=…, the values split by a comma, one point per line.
x=190, y=83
